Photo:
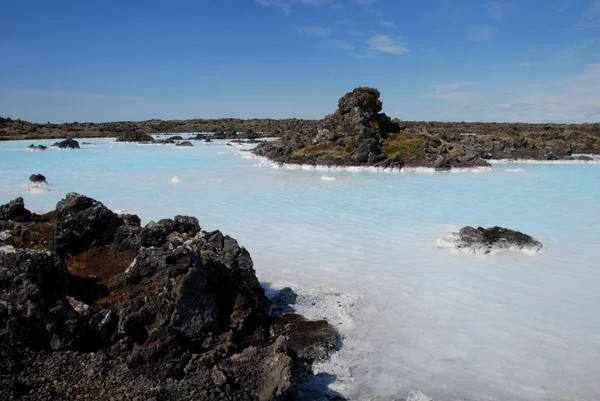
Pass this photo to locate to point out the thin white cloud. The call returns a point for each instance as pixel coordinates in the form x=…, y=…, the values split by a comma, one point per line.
x=450, y=92
x=385, y=44
x=316, y=30
x=286, y=5
x=590, y=17
x=495, y=10
x=570, y=100
x=388, y=24
x=365, y=2
x=480, y=33
x=526, y=64
x=340, y=44
x=575, y=50
x=449, y=87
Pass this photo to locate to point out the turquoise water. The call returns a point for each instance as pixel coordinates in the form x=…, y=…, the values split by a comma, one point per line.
x=361, y=246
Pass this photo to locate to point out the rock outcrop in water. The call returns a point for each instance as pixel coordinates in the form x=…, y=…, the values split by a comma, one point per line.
x=37, y=179
x=68, y=143
x=91, y=303
x=37, y=147
x=358, y=134
x=490, y=240
x=134, y=136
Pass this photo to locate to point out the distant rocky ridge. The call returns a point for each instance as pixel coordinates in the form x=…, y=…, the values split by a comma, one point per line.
x=358, y=134
x=227, y=128
x=347, y=137
x=95, y=306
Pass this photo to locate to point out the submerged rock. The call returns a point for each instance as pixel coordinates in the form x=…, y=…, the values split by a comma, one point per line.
x=489, y=240
x=185, y=143
x=167, y=311
x=37, y=147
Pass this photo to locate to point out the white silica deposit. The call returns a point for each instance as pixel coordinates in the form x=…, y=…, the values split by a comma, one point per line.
x=416, y=321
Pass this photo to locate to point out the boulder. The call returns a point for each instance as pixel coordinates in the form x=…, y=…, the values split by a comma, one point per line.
x=37, y=147
x=308, y=340
x=68, y=143
x=82, y=223
x=185, y=143
x=15, y=210
x=33, y=290
x=490, y=240
x=37, y=179
x=134, y=136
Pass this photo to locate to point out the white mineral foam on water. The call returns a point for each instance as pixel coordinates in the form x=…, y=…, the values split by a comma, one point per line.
x=414, y=318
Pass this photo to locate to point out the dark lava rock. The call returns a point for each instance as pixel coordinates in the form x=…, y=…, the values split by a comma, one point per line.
x=82, y=223
x=308, y=339
x=358, y=134
x=37, y=147
x=487, y=240
x=176, y=138
x=67, y=144
x=37, y=178
x=15, y=210
x=185, y=143
x=184, y=318
x=198, y=137
x=282, y=301
x=135, y=136
x=34, y=284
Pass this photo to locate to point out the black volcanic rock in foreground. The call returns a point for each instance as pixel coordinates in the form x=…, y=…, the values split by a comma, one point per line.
x=490, y=240
x=93, y=303
x=358, y=134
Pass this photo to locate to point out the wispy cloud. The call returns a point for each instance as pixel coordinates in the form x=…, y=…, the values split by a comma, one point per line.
x=573, y=99
x=526, y=64
x=495, y=10
x=590, y=17
x=385, y=44
x=286, y=5
x=340, y=44
x=450, y=92
x=575, y=50
x=480, y=33
x=449, y=87
x=316, y=30
x=388, y=24
x=365, y=2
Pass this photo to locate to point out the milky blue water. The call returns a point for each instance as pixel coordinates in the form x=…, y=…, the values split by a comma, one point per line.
x=362, y=247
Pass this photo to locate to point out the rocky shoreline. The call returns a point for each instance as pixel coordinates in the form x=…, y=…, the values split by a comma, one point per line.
x=356, y=134
x=359, y=134
x=95, y=306
x=226, y=128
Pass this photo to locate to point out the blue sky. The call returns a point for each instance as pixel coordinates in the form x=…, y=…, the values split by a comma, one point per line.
x=450, y=60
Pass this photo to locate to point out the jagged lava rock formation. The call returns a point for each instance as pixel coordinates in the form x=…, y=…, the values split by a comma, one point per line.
x=358, y=134
x=95, y=306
